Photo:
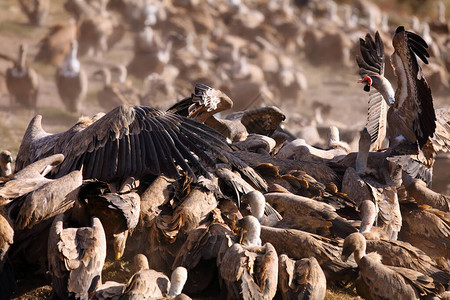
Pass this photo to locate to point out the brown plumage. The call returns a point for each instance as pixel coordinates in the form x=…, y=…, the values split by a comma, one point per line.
x=414, y=111
x=262, y=120
x=301, y=279
x=441, y=138
x=309, y=215
x=378, y=281
x=250, y=271
x=376, y=185
x=405, y=255
x=28, y=187
x=418, y=190
x=298, y=244
x=428, y=229
x=202, y=106
x=320, y=171
x=117, y=211
x=109, y=290
x=22, y=81
x=411, y=113
x=76, y=257
x=372, y=64
x=164, y=235
x=59, y=194
x=30, y=177
x=71, y=80
x=204, y=246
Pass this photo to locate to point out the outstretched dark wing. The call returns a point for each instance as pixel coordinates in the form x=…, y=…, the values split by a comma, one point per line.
x=128, y=141
x=415, y=118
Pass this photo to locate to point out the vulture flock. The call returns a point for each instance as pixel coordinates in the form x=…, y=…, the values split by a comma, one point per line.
x=190, y=203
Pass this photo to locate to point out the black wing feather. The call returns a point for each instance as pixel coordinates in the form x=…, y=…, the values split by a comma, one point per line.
x=133, y=141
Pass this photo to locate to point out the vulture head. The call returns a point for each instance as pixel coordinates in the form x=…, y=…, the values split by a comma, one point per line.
x=249, y=230
x=354, y=243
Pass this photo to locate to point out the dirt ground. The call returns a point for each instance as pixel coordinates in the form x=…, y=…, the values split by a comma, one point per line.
x=338, y=88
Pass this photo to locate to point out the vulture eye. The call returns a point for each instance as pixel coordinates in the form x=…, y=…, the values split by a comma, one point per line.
x=367, y=88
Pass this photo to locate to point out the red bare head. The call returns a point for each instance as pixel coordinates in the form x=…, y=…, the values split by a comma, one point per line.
x=366, y=80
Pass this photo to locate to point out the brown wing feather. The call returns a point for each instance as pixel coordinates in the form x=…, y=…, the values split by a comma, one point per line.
x=236, y=262
x=266, y=271
x=414, y=112
x=376, y=119
x=52, y=198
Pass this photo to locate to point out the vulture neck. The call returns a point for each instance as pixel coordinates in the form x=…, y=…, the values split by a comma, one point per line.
x=368, y=215
x=252, y=236
x=333, y=136
x=257, y=205
x=22, y=58
x=360, y=253
x=216, y=123
x=177, y=281
x=363, y=151
x=19, y=67
x=6, y=168
x=386, y=90
x=141, y=262
x=106, y=77
x=71, y=66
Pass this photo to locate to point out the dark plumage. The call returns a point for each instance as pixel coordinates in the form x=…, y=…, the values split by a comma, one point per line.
x=130, y=141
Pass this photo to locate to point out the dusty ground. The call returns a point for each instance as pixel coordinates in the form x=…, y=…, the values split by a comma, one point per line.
x=335, y=87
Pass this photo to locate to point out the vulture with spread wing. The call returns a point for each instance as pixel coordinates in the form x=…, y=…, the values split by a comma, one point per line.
x=411, y=113
x=408, y=112
x=128, y=141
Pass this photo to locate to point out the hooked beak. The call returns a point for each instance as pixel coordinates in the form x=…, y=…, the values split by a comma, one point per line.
x=344, y=257
x=368, y=81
